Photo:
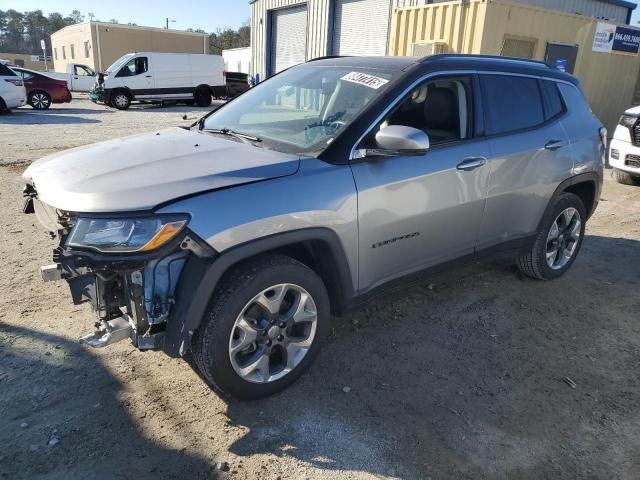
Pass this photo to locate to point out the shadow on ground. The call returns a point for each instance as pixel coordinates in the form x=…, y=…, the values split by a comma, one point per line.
x=73, y=398
x=488, y=376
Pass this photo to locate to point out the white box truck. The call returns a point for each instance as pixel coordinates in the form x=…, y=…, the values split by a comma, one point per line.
x=156, y=77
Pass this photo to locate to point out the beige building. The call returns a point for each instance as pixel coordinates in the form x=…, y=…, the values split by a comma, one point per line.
x=99, y=44
x=32, y=62
x=502, y=27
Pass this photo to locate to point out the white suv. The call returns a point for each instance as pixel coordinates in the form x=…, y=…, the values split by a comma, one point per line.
x=12, y=91
x=624, y=154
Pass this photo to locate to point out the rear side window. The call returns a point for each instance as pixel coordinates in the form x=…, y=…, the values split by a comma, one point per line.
x=554, y=103
x=511, y=103
x=6, y=71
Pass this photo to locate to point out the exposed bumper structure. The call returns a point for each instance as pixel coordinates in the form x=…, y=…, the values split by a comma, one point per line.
x=110, y=332
x=624, y=156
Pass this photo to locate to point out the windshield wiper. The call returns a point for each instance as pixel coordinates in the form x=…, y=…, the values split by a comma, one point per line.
x=232, y=133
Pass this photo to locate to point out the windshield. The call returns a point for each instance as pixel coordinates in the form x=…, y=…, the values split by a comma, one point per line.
x=115, y=66
x=304, y=108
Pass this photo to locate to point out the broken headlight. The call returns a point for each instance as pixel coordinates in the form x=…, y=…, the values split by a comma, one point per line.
x=125, y=235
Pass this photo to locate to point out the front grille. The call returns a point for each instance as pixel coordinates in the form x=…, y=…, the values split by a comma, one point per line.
x=632, y=161
x=635, y=134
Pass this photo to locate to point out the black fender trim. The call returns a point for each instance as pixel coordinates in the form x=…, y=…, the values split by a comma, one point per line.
x=200, y=278
x=587, y=177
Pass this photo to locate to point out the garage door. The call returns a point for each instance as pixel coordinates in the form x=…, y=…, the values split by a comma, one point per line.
x=361, y=27
x=288, y=37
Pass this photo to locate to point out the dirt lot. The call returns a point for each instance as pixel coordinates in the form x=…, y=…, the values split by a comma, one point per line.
x=462, y=378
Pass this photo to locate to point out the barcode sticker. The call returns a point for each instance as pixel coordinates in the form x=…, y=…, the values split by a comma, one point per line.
x=370, y=81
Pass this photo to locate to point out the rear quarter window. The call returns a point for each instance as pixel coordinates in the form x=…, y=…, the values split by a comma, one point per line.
x=6, y=71
x=511, y=103
x=555, y=106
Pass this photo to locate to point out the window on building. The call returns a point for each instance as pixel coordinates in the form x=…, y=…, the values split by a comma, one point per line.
x=55, y=53
x=73, y=54
x=511, y=103
x=441, y=108
x=239, y=66
x=64, y=53
x=86, y=49
x=518, y=47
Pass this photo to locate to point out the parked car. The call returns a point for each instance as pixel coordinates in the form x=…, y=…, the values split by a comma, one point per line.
x=12, y=91
x=234, y=240
x=43, y=90
x=235, y=84
x=624, y=151
x=79, y=77
x=159, y=77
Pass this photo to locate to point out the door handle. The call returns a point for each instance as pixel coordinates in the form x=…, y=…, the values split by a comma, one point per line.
x=148, y=76
x=471, y=163
x=554, y=144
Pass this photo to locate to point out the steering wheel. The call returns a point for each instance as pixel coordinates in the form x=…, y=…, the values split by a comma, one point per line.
x=336, y=124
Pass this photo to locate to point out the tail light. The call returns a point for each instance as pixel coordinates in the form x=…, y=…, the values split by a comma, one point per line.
x=17, y=83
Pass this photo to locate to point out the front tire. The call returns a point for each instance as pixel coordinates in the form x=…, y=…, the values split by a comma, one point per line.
x=559, y=240
x=120, y=100
x=39, y=100
x=625, y=178
x=263, y=327
x=202, y=97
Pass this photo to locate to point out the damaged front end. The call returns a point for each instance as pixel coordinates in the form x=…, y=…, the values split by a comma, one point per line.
x=126, y=266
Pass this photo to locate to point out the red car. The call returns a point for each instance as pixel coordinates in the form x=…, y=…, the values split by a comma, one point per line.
x=42, y=90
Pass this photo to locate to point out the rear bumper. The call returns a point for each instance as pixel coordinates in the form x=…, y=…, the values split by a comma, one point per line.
x=624, y=156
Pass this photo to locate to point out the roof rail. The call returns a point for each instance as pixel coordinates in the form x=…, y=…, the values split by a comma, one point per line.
x=326, y=57
x=464, y=56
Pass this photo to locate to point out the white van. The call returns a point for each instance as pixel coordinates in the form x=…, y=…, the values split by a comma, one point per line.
x=156, y=77
x=12, y=91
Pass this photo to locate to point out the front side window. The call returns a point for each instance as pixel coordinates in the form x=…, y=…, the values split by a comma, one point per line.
x=134, y=67
x=442, y=108
x=304, y=108
x=81, y=70
x=511, y=103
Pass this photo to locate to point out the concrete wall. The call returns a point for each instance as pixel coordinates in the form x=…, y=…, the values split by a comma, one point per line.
x=108, y=42
x=234, y=56
x=608, y=80
x=26, y=61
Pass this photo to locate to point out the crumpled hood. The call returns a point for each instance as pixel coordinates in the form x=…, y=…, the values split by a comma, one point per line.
x=142, y=171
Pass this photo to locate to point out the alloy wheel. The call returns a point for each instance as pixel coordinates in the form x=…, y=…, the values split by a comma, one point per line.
x=563, y=238
x=273, y=333
x=39, y=101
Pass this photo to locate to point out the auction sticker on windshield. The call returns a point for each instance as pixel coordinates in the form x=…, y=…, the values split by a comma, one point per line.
x=370, y=81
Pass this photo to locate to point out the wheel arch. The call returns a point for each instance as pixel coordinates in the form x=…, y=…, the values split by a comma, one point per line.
x=318, y=248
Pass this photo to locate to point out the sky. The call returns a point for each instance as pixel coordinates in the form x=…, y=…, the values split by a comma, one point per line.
x=207, y=15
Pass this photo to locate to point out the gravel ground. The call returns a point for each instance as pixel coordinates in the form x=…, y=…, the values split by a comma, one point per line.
x=465, y=377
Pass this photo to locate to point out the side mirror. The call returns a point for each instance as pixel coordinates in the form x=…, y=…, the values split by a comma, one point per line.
x=397, y=141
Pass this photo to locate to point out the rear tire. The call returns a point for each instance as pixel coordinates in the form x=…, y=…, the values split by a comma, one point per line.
x=39, y=100
x=202, y=97
x=249, y=343
x=625, y=178
x=120, y=100
x=559, y=240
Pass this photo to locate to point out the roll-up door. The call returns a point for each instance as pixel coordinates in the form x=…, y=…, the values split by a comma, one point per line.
x=288, y=37
x=361, y=27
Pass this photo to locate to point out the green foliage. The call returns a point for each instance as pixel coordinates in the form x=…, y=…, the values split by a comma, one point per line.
x=223, y=39
x=21, y=32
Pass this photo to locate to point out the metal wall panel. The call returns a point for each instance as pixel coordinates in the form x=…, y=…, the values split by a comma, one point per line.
x=288, y=36
x=361, y=27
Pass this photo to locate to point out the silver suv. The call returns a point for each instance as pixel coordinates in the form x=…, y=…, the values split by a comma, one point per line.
x=236, y=239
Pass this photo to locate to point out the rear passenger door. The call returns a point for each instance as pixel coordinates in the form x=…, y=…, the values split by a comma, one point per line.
x=530, y=155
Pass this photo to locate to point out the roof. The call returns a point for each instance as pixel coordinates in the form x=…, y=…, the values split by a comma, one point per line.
x=131, y=27
x=621, y=3
x=452, y=61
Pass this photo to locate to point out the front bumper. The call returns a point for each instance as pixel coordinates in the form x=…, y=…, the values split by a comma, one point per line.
x=624, y=156
x=133, y=294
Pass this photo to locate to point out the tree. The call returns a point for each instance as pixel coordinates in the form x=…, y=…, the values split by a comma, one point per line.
x=76, y=16
x=223, y=39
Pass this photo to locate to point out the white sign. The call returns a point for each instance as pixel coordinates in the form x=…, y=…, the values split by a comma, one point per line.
x=611, y=38
x=42, y=45
x=370, y=81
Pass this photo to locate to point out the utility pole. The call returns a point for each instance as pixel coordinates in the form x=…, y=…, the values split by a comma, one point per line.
x=167, y=20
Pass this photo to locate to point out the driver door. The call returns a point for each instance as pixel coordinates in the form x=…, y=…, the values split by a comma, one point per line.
x=416, y=212
x=83, y=78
